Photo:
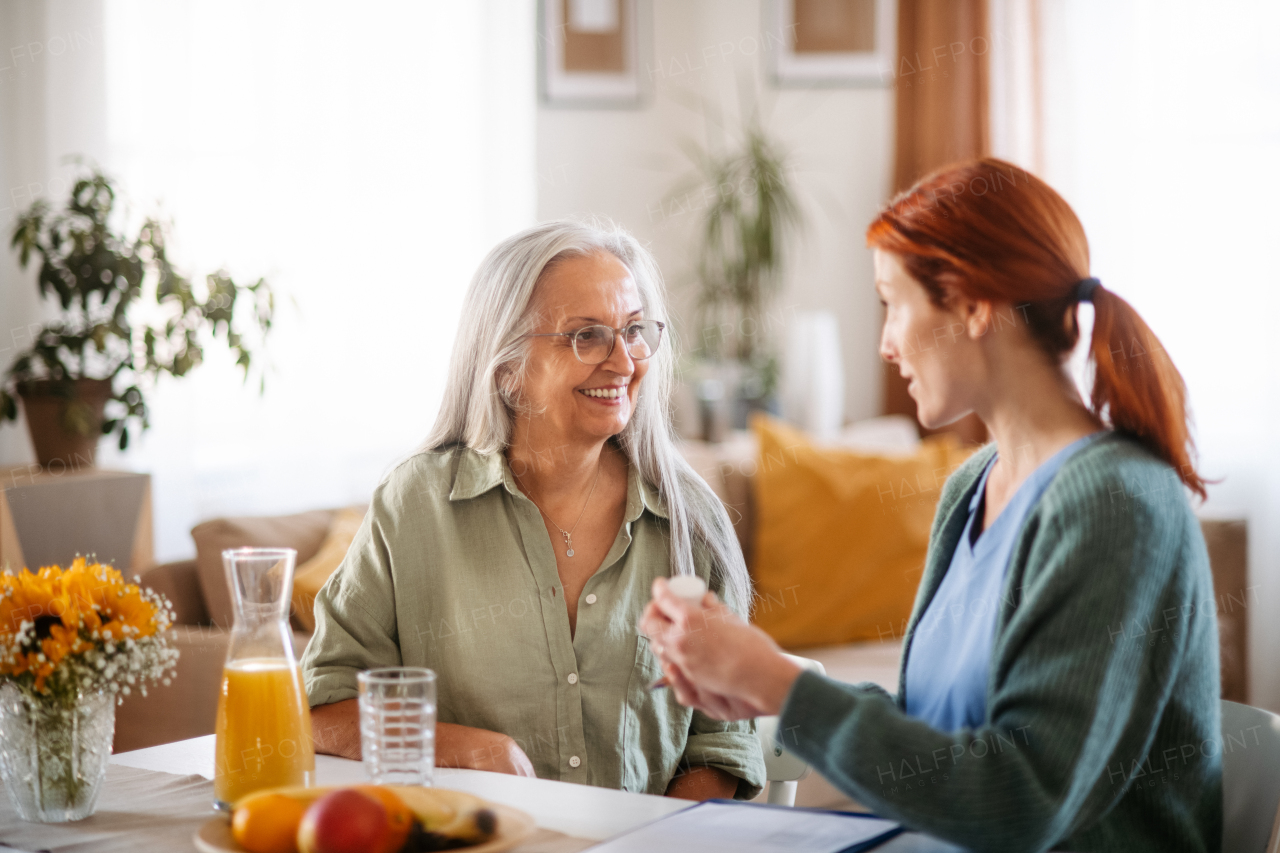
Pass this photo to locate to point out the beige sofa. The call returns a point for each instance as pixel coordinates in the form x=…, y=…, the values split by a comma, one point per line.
x=197, y=589
x=199, y=593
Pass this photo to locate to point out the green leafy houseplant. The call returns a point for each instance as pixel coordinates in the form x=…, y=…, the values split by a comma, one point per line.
x=126, y=317
x=744, y=226
x=750, y=212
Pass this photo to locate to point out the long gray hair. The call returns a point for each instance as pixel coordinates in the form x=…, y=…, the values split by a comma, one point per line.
x=490, y=357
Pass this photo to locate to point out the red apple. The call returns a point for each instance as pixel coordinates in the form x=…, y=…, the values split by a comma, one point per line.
x=343, y=821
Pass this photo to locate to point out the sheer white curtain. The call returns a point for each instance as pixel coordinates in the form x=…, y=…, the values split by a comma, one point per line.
x=1162, y=128
x=363, y=157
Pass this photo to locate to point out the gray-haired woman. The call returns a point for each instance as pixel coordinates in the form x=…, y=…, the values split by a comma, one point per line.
x=514, y=554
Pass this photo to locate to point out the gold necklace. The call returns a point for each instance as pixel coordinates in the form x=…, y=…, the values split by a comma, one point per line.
x=567, y=534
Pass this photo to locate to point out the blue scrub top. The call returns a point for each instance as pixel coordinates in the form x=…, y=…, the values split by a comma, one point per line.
x=950, y=655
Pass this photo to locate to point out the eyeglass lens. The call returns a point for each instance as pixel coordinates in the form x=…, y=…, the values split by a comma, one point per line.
x=593, y=344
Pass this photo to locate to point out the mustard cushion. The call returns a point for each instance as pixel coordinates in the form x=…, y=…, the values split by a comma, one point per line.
x=311, y=575
x=840, y=536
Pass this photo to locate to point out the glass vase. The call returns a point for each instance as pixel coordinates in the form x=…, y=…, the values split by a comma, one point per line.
x=53, y=756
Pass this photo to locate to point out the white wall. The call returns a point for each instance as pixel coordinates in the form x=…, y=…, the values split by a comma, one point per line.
x=625, y=163
x=51, y=102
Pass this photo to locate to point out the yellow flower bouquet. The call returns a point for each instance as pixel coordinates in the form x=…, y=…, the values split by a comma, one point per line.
x=73, y=642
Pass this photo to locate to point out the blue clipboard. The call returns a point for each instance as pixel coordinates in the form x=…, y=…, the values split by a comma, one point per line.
x=869, y=844
x=710, y=826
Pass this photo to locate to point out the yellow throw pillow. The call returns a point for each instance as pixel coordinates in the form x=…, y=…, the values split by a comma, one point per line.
x=840, y=537
x=311, y=575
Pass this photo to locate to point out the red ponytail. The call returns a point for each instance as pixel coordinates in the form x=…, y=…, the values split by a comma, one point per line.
x=988, y=229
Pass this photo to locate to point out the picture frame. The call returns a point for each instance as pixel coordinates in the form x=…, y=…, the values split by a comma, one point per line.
x=590, y=53
x=832, y=42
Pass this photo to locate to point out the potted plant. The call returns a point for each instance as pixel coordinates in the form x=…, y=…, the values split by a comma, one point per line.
x=751, y=207
x=85, y=373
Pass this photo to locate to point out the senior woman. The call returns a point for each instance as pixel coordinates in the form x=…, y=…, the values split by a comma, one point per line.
x=515, y=553
x=1059, y=685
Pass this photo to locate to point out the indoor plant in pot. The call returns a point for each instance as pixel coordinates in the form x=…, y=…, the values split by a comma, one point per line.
x=751, y=207
x=86, y=373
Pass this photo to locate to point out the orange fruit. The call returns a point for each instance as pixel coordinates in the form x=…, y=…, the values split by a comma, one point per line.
x=268, y=823
x=399, y=816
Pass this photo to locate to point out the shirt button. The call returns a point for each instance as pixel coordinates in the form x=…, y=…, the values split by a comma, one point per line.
x=573, y=679
x=574, y=761
x=591, y=599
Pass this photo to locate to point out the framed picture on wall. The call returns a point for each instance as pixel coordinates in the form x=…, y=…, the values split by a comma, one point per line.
x=832, y=42
x=590, y=52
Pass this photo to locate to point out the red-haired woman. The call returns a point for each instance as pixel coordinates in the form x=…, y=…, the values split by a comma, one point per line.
x=1059, y=682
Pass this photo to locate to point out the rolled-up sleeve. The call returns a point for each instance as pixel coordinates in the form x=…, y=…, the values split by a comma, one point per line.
x=733, y=746
x=355, y=619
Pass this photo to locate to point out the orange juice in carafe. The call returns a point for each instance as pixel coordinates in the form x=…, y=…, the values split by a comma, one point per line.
x=264, y=722
x=263, y=728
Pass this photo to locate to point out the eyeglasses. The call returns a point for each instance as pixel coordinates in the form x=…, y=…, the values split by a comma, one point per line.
x=594, y=344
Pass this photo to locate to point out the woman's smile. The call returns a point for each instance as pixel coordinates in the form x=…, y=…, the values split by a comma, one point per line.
x=607, y=395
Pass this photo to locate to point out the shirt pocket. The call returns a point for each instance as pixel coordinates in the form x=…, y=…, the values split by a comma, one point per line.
x=655, y=727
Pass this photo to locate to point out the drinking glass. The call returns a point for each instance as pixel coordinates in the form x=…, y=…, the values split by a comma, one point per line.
x=398, y=725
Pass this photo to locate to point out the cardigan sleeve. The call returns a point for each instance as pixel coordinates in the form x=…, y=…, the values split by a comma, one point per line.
x=732, y=746
x=1075, y=690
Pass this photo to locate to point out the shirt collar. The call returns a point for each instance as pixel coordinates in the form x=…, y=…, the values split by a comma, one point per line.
x=642, y=496
x=477, y=473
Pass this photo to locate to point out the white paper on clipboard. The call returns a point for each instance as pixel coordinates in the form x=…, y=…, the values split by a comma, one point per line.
x=713, y=827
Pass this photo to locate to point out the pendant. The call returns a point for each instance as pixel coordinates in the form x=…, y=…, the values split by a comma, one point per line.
x=569, y=553
x=568, y=543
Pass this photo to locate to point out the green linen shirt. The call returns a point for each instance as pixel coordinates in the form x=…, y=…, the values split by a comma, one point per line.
x=453, y=570
x=1103, y=729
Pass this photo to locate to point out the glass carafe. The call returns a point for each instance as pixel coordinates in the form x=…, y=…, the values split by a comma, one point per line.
x=264, y=721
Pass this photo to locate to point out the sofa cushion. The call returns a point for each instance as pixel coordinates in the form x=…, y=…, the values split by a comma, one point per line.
x=180, y=583
x=840, y=536
x=304, y=532
x=312, y=574
x=729, y=465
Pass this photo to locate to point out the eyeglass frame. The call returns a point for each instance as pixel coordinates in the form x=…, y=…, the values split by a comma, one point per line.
x=662, y=328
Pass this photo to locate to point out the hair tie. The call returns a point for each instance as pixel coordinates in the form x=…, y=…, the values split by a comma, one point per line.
x=1085, y=288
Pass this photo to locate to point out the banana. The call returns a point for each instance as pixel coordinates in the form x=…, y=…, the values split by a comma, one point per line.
x=473, y=827
x=432, y=810
x=451, y=815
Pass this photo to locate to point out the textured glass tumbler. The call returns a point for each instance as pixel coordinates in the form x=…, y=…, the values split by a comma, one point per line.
x=398, y=725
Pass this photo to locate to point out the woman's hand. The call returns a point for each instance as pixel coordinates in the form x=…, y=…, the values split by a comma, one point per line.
x=336, y=731
x=480, y=749
x=713, y=660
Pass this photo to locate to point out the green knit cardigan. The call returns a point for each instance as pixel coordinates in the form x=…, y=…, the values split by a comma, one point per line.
x=1103, y=723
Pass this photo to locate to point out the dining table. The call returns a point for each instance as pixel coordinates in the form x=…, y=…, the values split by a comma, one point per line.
x=156, y=799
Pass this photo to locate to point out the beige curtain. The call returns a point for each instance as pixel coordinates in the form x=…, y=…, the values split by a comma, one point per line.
x=941, y=86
